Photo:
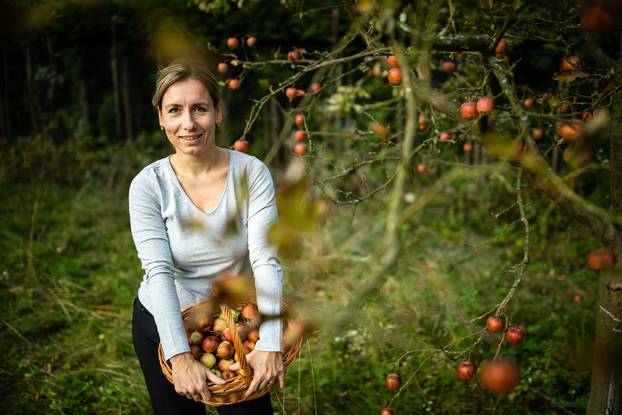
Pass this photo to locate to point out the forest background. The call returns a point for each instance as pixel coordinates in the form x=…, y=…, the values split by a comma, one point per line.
x=404, y=240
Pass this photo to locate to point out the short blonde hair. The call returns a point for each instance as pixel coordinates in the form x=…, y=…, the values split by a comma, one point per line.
x=181, y=69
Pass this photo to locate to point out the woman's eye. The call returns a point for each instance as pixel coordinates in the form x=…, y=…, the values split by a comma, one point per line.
x=201, y=109
x=173, y=110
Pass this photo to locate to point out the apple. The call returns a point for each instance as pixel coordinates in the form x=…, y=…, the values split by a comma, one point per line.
x=571, y=130
x=564, y=108
x=196, y=338
x=386, y=411
x=465, y=370
x=528, y=103
x=499, y=375
x=500, y=48
x=248, y=345
x=228, y=374
x=316, y=87
x=290, y=92
x=300, y=135
x=233, y=84
x=300, y=149
x=293, y=55
x=578, y=298
x=494, y=324
x=376, y=71
x=448, y=66
x=467, y=148
x=299, y=120
x=208, y=360
x=468, y=110
x=444, y=136
x=394, y=76
x=422, y=122
x=485, y=105
x=223, y=67
x=220, y=323
x=392, y=61
x=251, y=41
x=248, y=311
x=571, y=63
x=537, y=133
x=514, y=335
x=253, y=335
x=242, y=331
x=421, y=168
x=226, y=333
x=601, y=259
x=225, y=350
x=224, y=364
x=210, y=344
x=216, y=372
x=392, y=381
x=242, y=146
x=233, y=42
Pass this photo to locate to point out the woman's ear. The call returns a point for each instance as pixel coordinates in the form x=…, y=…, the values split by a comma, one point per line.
x=160, y=120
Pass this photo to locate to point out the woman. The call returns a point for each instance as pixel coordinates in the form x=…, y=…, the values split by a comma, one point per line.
x=198, y=183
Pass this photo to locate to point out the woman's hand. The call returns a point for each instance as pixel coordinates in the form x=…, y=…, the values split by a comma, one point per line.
x=190, y=377
x=267, y=368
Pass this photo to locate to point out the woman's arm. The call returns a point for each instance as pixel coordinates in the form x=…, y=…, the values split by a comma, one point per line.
x=262, y=213
x=152, y=244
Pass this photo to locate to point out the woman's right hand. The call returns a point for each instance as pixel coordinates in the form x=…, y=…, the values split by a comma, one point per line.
x=190, y=377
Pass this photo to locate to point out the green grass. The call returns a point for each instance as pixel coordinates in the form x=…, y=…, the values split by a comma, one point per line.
x=69, y=273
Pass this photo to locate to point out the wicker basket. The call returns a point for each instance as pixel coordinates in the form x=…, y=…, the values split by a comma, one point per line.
x=233, y=390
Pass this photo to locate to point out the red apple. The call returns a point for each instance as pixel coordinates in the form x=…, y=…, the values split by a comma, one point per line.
x=468, y=110
x=444, y=136
x=242, y=146
x=300, y=149
x=228, y=374
x=537, y=133
x=248, y=311
x=386, y=411
x=465, y=370
x=293, y=55
x=224, y=364
x=392, y=381
x=316, y=87
x=210, y=344
x=233, y=42
x=394, y=76
x=601, y=259
x=299, y=120
x=514, y=335
x=290, y=92
x=248, y=345
x=499, y=375
x=448, y=66
x=253, y=335
x=485, y=105
x=528, y=103
x=421, y=168
x=572, y=63
x=226, y=333
x=225, y=350
x=300, y=135
x=223, y=67
x=501, y=46
x=251, y=41
x=234, y=84
x=467, y=148
x=494, y=324
x=571, y=130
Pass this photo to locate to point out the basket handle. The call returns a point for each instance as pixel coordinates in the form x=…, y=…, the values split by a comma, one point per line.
x=244, y=370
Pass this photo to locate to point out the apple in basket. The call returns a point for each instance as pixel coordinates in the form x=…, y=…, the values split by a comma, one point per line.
x=253, y=335
x=210, y=344
x=224, y=364
x=227, y=334
x=196, y=338
x=247, y=346
x=248, y=311
x=208, y=360
x=219, y=325
x=228, y=374
x=225, y=350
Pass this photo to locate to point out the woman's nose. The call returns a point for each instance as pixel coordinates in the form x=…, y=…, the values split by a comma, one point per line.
x=188, y=121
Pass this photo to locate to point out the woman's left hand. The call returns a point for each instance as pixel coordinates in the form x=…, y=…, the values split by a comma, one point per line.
x=267, y=368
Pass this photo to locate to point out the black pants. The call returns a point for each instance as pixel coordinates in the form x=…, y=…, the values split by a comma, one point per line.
x=164, y=399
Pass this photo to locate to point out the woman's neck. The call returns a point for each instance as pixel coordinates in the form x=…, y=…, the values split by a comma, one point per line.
x=197, y=165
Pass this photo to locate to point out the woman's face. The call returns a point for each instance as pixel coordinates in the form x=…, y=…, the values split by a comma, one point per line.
x=189, y=117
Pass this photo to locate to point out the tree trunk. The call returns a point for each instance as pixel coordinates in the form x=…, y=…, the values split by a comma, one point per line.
x=114, y=70
x=5, y=91
x=606, y=389
x=127, y=101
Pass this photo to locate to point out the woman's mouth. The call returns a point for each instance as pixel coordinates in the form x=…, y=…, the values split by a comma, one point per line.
x=190, y=138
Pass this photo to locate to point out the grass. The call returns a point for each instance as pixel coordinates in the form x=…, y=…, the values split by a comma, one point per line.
x=69, y=273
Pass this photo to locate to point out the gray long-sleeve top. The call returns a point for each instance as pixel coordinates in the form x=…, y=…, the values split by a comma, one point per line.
x=181, y=261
